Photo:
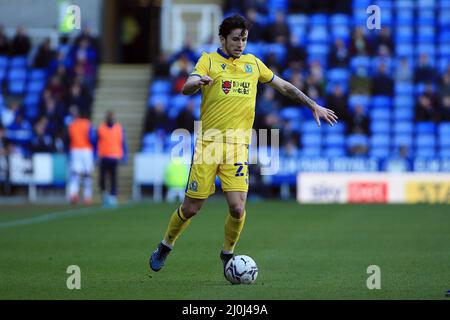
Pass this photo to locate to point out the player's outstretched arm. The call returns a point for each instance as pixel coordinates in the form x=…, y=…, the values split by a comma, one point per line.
x=193, y=83
x=289, y=90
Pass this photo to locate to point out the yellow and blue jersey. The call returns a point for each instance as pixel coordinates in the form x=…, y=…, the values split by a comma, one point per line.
x=228, y=105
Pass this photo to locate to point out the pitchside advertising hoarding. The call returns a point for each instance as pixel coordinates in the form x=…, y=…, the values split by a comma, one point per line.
x=373, y=188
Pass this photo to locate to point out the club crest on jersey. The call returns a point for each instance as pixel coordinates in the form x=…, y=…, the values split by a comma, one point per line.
x=223, y=66
x=226, y=86
x=248, y=68
x=193, y=186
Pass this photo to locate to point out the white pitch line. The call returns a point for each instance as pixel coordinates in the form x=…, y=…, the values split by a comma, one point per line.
x=57, y=215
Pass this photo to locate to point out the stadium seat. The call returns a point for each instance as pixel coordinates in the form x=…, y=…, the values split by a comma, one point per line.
x=17, y=74
x=339, y=20
x=16, y=87
x=333, y=152
x=444, y=129
x=18, y=62
x=380, y=114
x=403, y=140
x=425, y=141
x=334, y=140
x=311, y=152
x=338, y=75
x=3, y=62
x=444, y=153
x=318, y=50
x=161, y=87
x=310, y=126
x=337, y=128
x=318, y=19
x=340, y=32
x=158, y=98
x=357, y=99
x=403, y=127
x=425, y=152
x=404, y=49
x=3, y=73
x=294, y=20
x=444, y=141
x=381, y=102
x=311, y=139
x=425, y=127
x=37, y=74
x=354, y=140
x=404, y=88
x=380, y=127
x=277, y=49
x=403, y=114
x=380, y=140
x=290, y=113
x=36, y=86
x=379, y=152
x=404, y=101
x=360, y=61
x=425, y=17
x=404, y=5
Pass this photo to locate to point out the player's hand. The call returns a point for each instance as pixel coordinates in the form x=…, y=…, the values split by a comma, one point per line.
x=327, y=114
x=205, y=80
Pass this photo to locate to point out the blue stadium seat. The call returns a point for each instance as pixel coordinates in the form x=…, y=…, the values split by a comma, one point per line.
x=425, y=17
x=403, y=127
x=178, y=101
x=18, y=62
x=36, y=86
x=318, y=19
x=379, y=152
x=337, y=128
x=310, y=126
x=294, y=20
x=3, y=62
x=37, y=74
x=425, y=152
x=426, y=4
x=354, y=140
x=425, y=127
x=362, y=4
x=403, y=88
x=158, y=98
x=311, y=139
x=380, y=114
x=334, y=152
x=404, y=5
x=311, y=152
x=403, y=114
x=425, y=34
x=357, y=99
x=334, y=140
x=291, y=113
x=299, y=33
x=338, y=75
x=404, y=34
x=444, y=17
x=444, y=49
x=380, y=140
x=444, y=62
x=404, y=17
x=381, y=102
x=404, y=49
x=17, y=74
x=425, y=140
x=404, y=101
x=444, y=141
x=380, y=127
x=338, y=20
x=31, y=100
x=318, y=50
x=340, y=32
x=3, y=73
x=161, y=87
x=16, y=87
x=279, y=50
x=403, y=140
x=426, y=47
x=360, y=61
x=444, y=129
x=444, y=153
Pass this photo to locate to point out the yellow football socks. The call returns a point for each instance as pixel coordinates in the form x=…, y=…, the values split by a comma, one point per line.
x=233, y=228
x=177, y=224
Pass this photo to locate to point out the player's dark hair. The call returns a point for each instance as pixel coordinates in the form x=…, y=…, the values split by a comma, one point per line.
x=234, y=22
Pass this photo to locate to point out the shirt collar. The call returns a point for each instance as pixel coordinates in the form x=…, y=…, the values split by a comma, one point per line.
x=223, y=54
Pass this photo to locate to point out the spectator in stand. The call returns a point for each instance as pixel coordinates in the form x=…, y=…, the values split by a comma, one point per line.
x=156, y=119
x=4, y=42
x=44, y=55
x=9, y=114
x=86, y=35
x=21, y=43
x=359, y=123
x=279, y=30
x=338, y=99
x=360, y=45
x=444, y=88
x=360, y=82
x=384, y=38
x=41, y=141
x=77, y=98
x=403, y=72
x=296, y=54
x=162, y=67
x=429, y=92
x=425, y=110
x=257, y=33
x=186, y=118
x=339, y=55
x=19, y=133
x=288, y=134
x=54, y=112
x=424, y=72
x=56, y=88
x=180, y=72
x=382, y=82
x=444, y=110
x=186, y=52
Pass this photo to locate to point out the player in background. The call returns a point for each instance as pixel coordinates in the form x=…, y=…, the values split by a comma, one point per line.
x=228, y=80
x=81, y=134
x=112, y=149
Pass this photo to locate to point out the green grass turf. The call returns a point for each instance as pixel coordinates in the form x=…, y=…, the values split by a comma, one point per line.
x=303, y=252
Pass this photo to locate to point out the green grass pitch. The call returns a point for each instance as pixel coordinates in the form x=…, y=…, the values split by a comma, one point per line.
x=303, y=252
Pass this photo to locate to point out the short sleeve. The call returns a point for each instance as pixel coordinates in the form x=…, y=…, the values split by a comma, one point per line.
x=265, y=74
x=203, y=66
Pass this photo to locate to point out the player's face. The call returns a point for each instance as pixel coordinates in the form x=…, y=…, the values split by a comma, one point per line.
x=235, y=42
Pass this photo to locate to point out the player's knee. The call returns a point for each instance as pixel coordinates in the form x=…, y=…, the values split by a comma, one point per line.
x=237, y=210
x=189, y=210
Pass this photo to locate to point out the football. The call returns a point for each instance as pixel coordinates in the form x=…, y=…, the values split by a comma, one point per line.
x=241, y=270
